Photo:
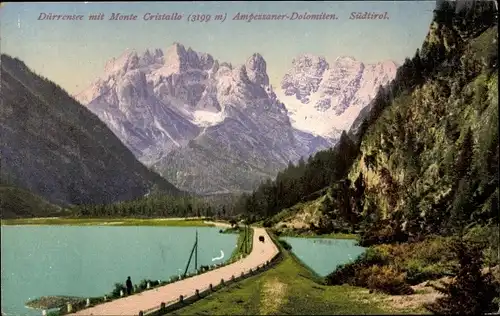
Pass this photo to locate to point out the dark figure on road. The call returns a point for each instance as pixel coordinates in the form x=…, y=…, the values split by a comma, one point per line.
x=261, y=238
x=129, y=286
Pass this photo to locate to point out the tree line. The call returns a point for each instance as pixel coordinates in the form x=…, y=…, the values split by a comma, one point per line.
x=156, y=205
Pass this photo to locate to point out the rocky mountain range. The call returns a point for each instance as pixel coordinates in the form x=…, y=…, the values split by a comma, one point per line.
x=211, y=127
x=325, y=98
x=56, y=148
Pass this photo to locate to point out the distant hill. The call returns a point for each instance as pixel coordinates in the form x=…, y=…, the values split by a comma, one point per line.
x=57, y=149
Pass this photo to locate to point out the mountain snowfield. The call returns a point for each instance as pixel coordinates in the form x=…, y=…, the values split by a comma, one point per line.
x=210, y=127
x=324, y=99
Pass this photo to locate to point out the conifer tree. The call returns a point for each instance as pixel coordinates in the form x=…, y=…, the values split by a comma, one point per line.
x=471, y=293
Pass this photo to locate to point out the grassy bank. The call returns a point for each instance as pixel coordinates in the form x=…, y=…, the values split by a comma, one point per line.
x=240, y=249
x=107, y=221
x=309, y=234
x=291, y=288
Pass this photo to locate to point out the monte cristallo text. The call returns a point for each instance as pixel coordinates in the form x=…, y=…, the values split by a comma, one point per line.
x=220, y=17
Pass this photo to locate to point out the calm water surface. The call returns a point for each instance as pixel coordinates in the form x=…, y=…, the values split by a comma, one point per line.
x=323, y=255
x=87, y=260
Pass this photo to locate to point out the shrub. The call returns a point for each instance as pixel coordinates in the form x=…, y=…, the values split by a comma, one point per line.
x=174, y=278
x=417, y=272
x=116, y=291
x=233, y=222
x=344, y=274
x=350, y=273
x=204, y=268
x=143, y=285
x=267, y=223
x=386, y=279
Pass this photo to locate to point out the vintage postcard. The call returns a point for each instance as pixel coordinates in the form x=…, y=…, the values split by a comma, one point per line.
x=249, y=157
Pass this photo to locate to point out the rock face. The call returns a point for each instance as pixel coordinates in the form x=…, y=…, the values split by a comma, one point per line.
x=412, y=146
x=207, y=126
x=323, y=98
x=56, y=148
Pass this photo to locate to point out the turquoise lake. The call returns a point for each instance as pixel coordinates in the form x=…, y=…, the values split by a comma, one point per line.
x=323, y=255
x=88, y=260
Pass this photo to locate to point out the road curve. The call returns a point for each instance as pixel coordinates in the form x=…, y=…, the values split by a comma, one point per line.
x=150, y=299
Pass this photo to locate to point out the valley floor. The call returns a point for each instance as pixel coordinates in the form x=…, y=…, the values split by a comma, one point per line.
x=290, y=288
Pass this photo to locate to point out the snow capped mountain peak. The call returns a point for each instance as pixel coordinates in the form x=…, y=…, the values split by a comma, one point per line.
x=240, y=74
x=127, y=60
x=256, y=69
x=387, y=65
x=325, y=98
x=346, y=58
x=304, y=77
x=347, y=62
x=308, y=60
x=157, y=101
x=192, y=116
x=179, y=59
x=158, y=53
x=147, y=54
x=176, y=57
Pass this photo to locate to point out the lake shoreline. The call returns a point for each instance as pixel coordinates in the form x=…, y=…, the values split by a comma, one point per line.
x=279, y=233
x=78, y=221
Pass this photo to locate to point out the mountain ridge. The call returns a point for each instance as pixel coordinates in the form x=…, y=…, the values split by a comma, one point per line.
x=75, y=159
x=162, y=105
x=325, y=98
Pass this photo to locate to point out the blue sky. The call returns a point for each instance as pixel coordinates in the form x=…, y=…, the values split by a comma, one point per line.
x=73, y=53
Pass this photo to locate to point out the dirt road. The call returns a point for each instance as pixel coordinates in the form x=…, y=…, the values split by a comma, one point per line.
x=148, y=300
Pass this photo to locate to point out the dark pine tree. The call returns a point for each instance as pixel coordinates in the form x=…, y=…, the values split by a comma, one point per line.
x=472, y=292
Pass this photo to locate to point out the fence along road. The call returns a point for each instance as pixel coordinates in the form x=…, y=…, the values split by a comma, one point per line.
x=150, y=300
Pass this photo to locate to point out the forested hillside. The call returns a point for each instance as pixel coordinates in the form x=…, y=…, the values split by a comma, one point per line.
x=57, y=149
x=425, y=159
